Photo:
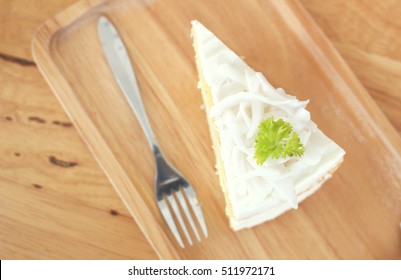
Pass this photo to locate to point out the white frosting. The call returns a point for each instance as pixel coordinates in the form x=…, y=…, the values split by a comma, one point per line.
x=242, y=98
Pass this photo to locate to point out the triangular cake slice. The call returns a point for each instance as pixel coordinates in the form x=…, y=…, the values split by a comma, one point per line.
x=237, y=99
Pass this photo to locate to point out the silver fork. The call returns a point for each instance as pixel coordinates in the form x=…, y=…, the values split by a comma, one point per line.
x=170, y=185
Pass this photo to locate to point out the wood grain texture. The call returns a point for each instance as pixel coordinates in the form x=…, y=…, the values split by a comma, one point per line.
x=23, y=90
x=19, y=19
x=367, y=34
x=55, y=201
x=75, y=231
x=356, y=215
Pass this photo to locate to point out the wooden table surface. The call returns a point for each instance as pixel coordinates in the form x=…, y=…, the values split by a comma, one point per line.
x=56, y=203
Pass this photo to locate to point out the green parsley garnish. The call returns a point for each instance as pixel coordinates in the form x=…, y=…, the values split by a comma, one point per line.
x=276, y=139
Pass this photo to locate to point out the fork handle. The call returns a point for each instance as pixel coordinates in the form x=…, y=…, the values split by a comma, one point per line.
x=123, y=70
x=134, y=99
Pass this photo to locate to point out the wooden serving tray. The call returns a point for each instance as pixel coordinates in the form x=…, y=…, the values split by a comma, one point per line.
x=357, y=214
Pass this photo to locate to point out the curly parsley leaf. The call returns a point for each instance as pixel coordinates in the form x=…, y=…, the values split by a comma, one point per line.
x=275, y=140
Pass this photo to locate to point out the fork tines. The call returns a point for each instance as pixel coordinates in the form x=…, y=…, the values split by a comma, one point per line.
x=177, y=196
